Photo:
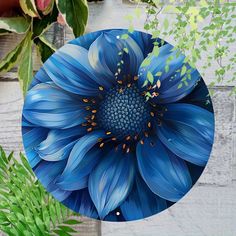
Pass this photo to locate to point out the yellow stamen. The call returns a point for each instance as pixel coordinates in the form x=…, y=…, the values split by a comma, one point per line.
x=92, y=117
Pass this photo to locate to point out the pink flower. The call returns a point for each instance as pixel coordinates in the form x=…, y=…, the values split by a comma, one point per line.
x=44, y=5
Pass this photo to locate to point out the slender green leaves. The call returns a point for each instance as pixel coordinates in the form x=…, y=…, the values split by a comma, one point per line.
x=25, y=206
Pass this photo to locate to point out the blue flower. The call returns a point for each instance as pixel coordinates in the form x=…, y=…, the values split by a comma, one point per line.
x=114, y=131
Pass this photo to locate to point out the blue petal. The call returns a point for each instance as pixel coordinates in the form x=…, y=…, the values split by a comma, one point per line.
x=59, y=143
x=87, y=39
x=70, y=69
x=47, y=173
x=104, y=56
x=48, y=106
x=169, y=91
x=164, y=173
x=188, y=131
x=80, y=202
x=142, y=202
x=199, y=96
x=111, y=181
x=58, y=193
x=78, y=178
x=144, y=40
x=40, y=77
x=31, y=138
x=81, y=148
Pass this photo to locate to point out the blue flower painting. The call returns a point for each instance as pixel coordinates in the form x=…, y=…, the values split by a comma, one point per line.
x=115, y=130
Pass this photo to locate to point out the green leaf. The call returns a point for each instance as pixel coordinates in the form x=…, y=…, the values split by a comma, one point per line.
x=156, y=51
x=146, y=62
x=44, y=47
x=67, y=229
x=29, y=7
x=126, y=50
x=166, y=24
x=4, y=32
x=72, y=222
x=180, y=85
x=17, y=25
x=124, y=36
x=9, y=61
x=25, y=69
x=145, y=83
x=183, y=70
x=41, y=25
x=137, y=12
x=75, y=12
x=159, y=73
x=150, y=77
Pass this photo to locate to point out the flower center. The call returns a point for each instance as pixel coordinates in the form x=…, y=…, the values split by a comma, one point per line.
x=123, y=111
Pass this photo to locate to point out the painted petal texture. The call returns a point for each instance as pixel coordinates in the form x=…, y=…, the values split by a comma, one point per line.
x=69, y=68
x=78, y=177
x=58, y=144
x=188, y=131
x=47, y=173
x=80, y=202
x=117, y=125
x=108, y=50
x=31, y=138
x=111, y=181
x=48, y=106
x=142, y=202
x=169, y=90
x=164, y=173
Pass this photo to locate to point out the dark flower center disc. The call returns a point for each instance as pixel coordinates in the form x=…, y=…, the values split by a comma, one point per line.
x=123, y=111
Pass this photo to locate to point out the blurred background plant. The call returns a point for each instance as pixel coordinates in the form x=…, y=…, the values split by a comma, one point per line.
x=25, y=206
x=32, y=18
x=203, y=30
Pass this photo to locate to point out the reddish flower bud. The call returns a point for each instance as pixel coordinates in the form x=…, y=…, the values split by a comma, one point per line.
x=45, y=6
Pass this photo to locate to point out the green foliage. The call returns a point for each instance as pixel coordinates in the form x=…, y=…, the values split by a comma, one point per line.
x=17, y=25
x=76, y=14
x=25, y=206
x=33, y=23
x=202, y=29
x=25, y=69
